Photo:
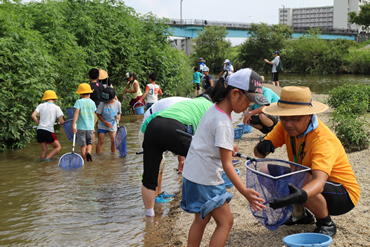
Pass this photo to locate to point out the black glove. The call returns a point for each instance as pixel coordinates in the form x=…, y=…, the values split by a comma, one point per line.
x=265, y=146
x=296, y=196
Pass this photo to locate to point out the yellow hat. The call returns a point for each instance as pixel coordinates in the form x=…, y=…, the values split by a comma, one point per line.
x=84, y=88
x=49, y=94
x=102, y=74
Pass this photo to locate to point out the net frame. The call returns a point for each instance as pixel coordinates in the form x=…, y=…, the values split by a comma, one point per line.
x=68, y=129
x=71, y=161
x=121, y=143
x=275, y=186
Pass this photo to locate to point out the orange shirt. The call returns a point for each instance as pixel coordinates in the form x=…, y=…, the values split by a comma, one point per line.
x=324, y=152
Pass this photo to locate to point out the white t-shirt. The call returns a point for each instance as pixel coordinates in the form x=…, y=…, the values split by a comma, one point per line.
x=203, y=162
x=162, y=104
x=275, y=62
x=49, y=112
x=152, y=96
x=229, y=68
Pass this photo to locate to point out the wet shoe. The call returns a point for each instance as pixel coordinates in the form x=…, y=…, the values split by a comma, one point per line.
x=88, y=157
x=160, y=199
x=165, y=195
x=327, y=229
x=46, y=160
x=306, y=220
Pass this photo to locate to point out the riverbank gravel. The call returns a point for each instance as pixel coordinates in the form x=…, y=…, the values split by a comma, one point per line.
x=353, y=227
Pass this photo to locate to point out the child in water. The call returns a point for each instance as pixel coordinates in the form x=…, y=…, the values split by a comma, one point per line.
x=210, y=153
x=45, y=130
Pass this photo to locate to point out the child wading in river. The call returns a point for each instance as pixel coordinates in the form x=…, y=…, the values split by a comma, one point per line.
x=210, y=153
x=45, y=130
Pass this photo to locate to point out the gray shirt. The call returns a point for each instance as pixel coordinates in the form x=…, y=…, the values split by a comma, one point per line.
x=275, y=62
x=203, y=163
x=109, y=113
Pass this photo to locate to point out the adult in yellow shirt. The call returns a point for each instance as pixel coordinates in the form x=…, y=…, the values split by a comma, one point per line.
x=330, y=188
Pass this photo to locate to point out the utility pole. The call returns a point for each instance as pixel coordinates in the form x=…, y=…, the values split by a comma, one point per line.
x=283, y=14
x=181, y=11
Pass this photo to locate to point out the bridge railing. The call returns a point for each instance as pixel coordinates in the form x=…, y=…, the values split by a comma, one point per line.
x=242, y=25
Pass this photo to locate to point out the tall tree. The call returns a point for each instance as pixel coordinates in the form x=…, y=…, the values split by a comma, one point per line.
x=362, y=18
x=263, y=41
x=212, y=46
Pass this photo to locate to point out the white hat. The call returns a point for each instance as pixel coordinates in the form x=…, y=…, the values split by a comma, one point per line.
x=251, y=82
x=205, y=69
x=227, y=61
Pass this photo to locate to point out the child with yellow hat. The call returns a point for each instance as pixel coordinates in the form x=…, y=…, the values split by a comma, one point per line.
x=48, y=112
x=84, y=119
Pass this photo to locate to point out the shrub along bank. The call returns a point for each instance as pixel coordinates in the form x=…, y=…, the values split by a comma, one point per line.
x=53, y=44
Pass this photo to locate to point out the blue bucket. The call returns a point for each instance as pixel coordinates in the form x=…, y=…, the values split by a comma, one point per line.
x=140, y=109
x=238, y=132
x=246, y=128
x=228, y=183
x=70, y=112
x=307, y=239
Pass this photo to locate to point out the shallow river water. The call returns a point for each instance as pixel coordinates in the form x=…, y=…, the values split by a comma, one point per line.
x=99, y=204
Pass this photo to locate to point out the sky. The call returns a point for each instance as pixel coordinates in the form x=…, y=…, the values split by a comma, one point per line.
x=223, y=10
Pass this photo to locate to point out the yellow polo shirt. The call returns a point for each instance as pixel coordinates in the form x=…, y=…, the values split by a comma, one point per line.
x=324, y=152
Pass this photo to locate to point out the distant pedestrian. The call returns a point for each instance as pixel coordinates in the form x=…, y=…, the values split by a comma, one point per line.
x=133, y=88
x=201, y=64
x=275, y=74
x=228, y=66
x=152, y=90
x=207, y=79
x=196, y=80
x=45, y=130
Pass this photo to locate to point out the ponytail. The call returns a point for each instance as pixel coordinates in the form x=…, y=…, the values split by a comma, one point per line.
x=221, y=89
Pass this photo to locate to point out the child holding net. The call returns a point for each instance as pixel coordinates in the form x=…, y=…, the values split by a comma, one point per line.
x=210, y=153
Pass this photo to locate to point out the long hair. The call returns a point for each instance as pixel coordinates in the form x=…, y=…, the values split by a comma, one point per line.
x=221, y=89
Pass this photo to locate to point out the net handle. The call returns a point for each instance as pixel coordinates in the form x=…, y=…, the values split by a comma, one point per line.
x=74, y=142
x=34, y=127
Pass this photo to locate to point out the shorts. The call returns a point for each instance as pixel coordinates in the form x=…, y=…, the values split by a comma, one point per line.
x=133, y=101
x=255, y=120
x=148, y=105
x=84, y=137
x=203, y=199
x=102, y=131
x=196, y=86
x=45, y=136
x=275, y=76
x=337, y=198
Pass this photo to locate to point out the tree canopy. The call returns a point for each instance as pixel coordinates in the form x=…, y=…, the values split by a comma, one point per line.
x=362, y=18
x=212, y=46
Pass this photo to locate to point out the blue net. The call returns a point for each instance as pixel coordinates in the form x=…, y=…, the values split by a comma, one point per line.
x=270, y=178
x=71, y=161
x=120, y=141
x=71, y=112
x=68, y=129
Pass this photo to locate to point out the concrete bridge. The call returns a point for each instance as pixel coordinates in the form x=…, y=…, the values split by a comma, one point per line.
x=188, y=28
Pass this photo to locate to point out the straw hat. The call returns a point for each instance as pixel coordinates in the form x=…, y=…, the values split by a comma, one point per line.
x=102, y=74
x=295, y=101
x=84, y=88
x=49, y=94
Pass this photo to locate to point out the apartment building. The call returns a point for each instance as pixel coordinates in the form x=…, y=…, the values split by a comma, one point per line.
x=335, y=16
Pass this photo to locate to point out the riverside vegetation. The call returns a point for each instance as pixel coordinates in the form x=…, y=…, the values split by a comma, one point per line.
x=53, y=44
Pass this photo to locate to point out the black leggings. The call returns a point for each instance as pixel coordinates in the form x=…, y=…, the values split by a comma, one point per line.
x=160, y=136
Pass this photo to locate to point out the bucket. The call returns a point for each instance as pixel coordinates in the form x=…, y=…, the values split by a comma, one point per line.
x=307, y=239
x=238, y=132
x=246, y=128
x=228, y=183
x=70, y=112
x=140, y=109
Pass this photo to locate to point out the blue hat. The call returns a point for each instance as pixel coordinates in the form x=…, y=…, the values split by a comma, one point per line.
x=276, y=52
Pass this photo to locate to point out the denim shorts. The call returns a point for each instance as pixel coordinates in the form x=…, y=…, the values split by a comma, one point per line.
x=202, y=199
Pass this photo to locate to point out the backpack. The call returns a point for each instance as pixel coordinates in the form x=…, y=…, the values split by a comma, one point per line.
x=279, y=67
